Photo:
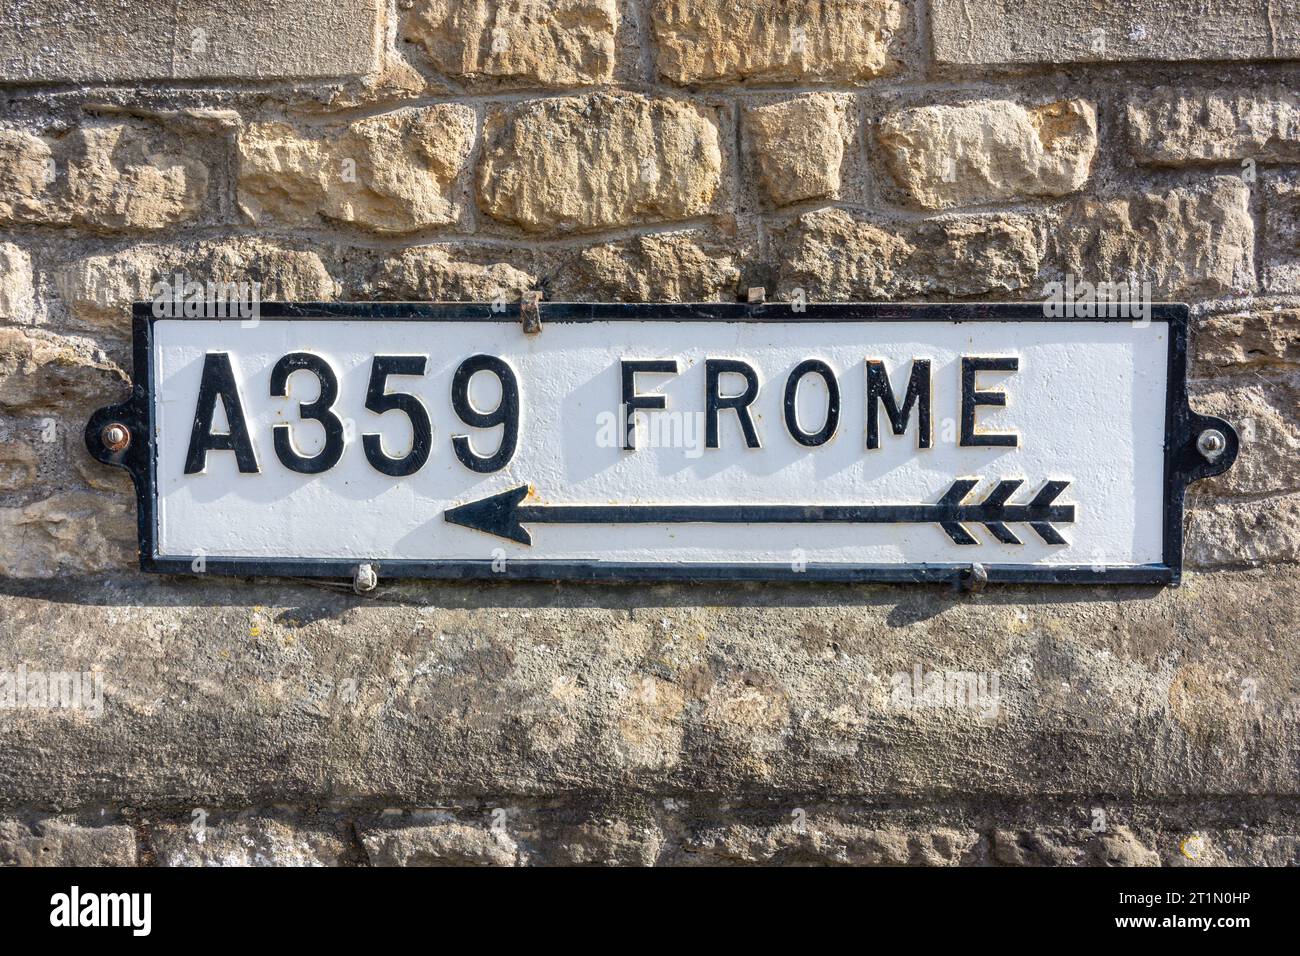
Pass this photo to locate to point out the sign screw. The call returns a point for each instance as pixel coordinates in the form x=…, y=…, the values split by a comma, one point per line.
x=365, y=579
x=1211, y=443
x=116, y=437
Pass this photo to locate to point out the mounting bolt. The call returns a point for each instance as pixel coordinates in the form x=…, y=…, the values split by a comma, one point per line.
x=116, y=437
x=1211, y=443
x=364, y=579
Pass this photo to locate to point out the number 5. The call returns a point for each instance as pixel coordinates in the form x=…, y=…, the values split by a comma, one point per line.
x=378, y=400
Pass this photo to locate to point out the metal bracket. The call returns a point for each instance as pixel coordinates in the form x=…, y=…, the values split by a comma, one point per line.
x=364, y=578
x=974, y=578
x=530, y=312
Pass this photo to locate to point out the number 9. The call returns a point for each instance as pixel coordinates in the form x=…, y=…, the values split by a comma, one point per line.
x=506, y=413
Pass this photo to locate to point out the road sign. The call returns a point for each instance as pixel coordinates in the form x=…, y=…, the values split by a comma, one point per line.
x=851, y=442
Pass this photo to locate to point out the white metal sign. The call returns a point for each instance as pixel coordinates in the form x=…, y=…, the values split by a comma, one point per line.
x=847, y=442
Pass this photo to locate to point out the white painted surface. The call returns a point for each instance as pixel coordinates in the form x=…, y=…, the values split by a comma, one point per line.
x=1088, y=403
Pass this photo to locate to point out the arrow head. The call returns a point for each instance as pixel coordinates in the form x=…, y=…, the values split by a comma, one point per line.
x=498, y=515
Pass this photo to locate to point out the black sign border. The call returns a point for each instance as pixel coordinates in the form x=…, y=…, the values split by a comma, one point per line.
x=1183, y=462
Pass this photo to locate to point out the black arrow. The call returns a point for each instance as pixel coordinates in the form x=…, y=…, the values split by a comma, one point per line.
x=503, y=515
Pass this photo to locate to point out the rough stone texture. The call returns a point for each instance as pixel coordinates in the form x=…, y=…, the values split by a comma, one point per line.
x=18, y=466
x=67, y=533
x=1263, y=406
x=1095, y=31
x=523, y=42
x=1263, y=337
x=584, y=163
x=1227, y=533
x=88, y=40
x=1060, y=847
x=100, y=176
x=701, y=41
x=17, y=298
x=1282, y=234
x=43, y=373
x=430, y=273
x=831, y=844
x=391, y=173
x=98, y=290
x=672, y=267
x=445, y=843
x=1172, y=126
x=831, y=255
x=799, y=146
x=1188, y=242
x=769, y=694
x=64, y=841
x=989, y=151
x=247, y=840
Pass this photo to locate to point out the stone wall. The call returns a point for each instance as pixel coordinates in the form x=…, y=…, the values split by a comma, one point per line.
x=643, y=150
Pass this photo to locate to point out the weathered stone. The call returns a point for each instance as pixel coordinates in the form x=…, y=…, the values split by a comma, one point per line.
x=42, y=373
x=831, y=842
x=1228, y=533
x=1170, y=126
x=799, y=146
x=704, y=41
x=17, y=297
x=1189, y=242
x=106, y=40
x=62, y=841
x=1281, y=234
x=440, y=674
x=1059, y=847
x=445, y=843
x=524, y=42
x=99, y=290
x=1088, y=31
x=672, y=267
x=75, y=532
x=1263, y=408
x=430, y=273
x=246, y=840
x=1263, y=337
x=603, y=843
x=1230, y=848
x=101, y=176
x=989, y=151
x=832, y=256
x=18, y=466
x=390, y=173
x=593, y=162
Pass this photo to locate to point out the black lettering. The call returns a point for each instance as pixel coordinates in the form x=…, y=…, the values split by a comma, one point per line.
x=318, y=410
x=218, y=381
x=970, y=367
x=379, y=400
x=632, y=402
x=505, y=414
x=880, y=393
x=714, y=369
x=827, y=431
